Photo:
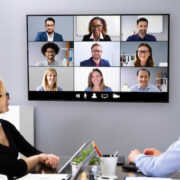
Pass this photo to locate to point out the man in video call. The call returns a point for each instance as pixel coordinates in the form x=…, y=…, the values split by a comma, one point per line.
x=95, y=60
x=142, y=27
x=49, y=50
x=143, y=77
x=49, y=34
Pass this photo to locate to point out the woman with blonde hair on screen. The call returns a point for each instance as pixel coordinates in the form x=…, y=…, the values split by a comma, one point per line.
x=49, y=82
x=96, y=82
x=12, y=143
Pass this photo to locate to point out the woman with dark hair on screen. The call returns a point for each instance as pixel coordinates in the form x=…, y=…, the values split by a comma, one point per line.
x=143, y=57
x=12, y=143
x=96, y=82
x=49, y=82
x=97, y=30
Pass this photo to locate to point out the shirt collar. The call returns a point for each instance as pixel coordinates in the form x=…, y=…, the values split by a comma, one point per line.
x=50, y=38
x=53, y=63
x=148, y=87
x=140, y=37
x=101, y=36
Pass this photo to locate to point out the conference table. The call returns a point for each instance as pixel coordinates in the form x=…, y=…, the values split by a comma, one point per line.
x=120, y=172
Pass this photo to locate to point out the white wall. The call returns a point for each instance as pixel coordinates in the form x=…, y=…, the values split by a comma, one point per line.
x=60, y=127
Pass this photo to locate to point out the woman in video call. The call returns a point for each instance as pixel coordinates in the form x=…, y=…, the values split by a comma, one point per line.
x=49, y=82
x=143, y=57
x=96, y=82
x=12, y=143
x=97, y=30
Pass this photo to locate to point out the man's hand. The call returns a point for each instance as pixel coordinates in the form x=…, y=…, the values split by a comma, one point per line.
x=133, y=154
x=152, y=152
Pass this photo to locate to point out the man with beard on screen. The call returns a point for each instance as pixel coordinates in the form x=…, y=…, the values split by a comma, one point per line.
x=49, y=34
x=142, y=27
x=95, y=60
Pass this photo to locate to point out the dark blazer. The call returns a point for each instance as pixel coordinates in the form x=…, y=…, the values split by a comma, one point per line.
x=42, y=36
x=87, y=38
x=90, y=62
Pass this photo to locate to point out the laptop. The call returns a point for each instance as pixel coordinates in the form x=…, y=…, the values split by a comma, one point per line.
x=83, y=165
x=67, y=168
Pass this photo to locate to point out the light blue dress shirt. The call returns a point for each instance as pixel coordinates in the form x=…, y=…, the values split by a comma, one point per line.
x=149, y=88
x=163, y=165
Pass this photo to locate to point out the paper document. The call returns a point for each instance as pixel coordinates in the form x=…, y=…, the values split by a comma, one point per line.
x=146, y=178
x=3, y=177
x=45, y=177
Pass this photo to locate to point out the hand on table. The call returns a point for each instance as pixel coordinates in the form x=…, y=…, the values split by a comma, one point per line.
x=133, y=154
x=49, y=160
x=152, y=152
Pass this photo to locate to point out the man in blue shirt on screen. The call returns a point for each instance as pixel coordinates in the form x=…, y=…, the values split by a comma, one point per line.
x=49, y=34
x=95, y=60
x=154, y=163
x=143, y=77
x=142, y=26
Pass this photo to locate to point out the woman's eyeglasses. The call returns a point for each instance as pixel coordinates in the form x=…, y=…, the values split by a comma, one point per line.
x=98, y=26
x=6, y=94
x=142, y=52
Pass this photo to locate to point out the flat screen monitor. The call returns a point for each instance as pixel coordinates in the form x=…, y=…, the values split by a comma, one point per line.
x=98, y=57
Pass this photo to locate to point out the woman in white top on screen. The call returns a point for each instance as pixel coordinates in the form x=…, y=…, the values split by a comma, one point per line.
x=143, y=57
x=49, y=82
x=97, y=30
x=96, y=82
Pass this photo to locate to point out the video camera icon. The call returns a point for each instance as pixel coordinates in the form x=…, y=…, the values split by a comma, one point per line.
x=116, y=96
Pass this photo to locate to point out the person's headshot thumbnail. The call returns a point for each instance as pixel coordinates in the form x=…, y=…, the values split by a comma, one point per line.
x=97, y=29
x=95, y=60
x=49, y=34
x=49, y=82
x=143, y=78
x=143, y=56
x=96, y=82
x=142, y=27
x=49, y=50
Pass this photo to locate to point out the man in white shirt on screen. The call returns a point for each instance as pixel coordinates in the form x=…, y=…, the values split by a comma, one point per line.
x=49, y=50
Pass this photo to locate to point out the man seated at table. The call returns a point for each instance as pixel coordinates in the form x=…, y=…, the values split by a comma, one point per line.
x=143, y=77
x=152, y=162
x=142, y=27
x=95, y=60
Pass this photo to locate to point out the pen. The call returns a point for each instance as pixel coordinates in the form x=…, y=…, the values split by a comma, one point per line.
x=96, y=148
x=115, y=154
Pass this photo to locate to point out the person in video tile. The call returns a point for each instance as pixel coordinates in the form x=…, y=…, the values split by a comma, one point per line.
x=143, y=57
x=142, y=27
x=49, y=34
x=95, y=60
x=143, y=77
x=49, y=50
x=97, y=30
x=49, y=82
x=96, y=82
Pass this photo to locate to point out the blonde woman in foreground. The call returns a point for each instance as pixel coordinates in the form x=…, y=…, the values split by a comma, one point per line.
x=12, y=143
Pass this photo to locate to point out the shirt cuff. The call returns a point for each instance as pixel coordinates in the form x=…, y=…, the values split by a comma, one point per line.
x=136, y=159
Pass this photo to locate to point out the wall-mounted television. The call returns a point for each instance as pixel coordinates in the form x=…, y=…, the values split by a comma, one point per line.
x=98, y=57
